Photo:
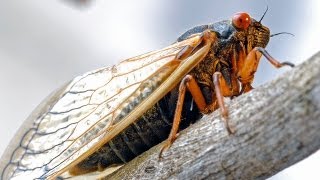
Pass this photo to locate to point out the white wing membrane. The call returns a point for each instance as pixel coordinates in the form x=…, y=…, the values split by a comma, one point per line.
x=85, y=110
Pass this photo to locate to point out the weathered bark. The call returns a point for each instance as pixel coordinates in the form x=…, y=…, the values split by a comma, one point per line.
x=276, y=126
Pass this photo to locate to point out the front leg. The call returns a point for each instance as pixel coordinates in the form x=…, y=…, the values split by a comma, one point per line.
x=250, y=65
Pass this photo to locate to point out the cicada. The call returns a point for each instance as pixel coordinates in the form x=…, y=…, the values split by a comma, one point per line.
x=111, y=115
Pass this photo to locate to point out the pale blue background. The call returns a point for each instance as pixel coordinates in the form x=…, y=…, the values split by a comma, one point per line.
x=43, y=44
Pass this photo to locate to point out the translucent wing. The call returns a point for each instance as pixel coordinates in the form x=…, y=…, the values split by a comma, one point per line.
x=84, y=114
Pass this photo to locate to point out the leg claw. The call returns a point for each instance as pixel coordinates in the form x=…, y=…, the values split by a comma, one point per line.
x=164, y=147
x=229, y=129
x=167, y=144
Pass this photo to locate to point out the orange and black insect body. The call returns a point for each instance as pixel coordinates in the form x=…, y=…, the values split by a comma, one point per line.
x=235, y=40
x=111, y=115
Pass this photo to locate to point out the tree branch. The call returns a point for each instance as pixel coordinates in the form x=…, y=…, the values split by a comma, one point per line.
x=276, y=126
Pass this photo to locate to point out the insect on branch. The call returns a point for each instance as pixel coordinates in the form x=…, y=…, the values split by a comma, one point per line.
x=277, y=125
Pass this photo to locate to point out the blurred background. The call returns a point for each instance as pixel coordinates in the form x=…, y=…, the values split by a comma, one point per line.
x=44, y=44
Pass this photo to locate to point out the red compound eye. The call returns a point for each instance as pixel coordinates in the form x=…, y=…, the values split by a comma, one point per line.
x=241, y=20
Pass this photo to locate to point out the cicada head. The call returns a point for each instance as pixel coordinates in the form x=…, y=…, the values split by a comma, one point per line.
x=250, y=31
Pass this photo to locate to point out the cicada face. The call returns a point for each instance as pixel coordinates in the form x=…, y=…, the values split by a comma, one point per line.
x=249, y=31
x=260, y=32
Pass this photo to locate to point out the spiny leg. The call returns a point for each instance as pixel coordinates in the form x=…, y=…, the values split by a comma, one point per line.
x=273, y=61
x=217, y=78
x=251, y=62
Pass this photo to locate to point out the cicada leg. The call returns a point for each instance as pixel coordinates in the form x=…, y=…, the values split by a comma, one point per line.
x=188, y=82
x=250, y=65
x=217, y=78
x=273, y=61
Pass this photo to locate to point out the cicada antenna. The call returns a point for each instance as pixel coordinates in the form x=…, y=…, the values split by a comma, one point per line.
x=265, y=12
x=276, y=34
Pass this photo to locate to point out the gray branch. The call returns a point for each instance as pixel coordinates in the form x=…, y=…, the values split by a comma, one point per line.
x=276, y=125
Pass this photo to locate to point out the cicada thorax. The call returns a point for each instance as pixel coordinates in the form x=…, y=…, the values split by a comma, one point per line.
x=229, y=57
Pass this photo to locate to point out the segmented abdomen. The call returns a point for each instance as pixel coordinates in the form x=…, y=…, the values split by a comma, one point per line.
x=147, y=131
x=150, y=129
